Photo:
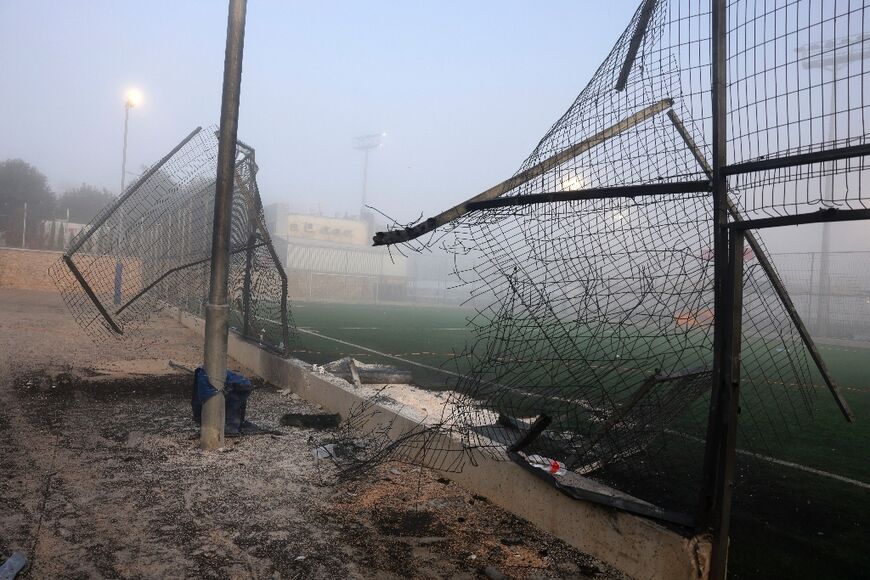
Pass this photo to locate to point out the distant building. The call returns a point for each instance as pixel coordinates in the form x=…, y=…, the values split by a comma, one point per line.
x=286, y=224
x=58, y=233
x=332, y=259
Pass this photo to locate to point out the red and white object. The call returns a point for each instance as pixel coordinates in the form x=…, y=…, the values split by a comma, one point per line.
x=551, y=466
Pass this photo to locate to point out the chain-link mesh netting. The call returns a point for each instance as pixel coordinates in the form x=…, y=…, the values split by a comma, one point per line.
x=152, y=248
x=797, y=84
x=593, y=329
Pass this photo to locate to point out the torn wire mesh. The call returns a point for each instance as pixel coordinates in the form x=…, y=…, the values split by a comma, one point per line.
x=152, y=248
x=593, y=307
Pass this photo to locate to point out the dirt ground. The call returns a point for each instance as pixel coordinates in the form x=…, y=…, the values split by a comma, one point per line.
x=101, y=476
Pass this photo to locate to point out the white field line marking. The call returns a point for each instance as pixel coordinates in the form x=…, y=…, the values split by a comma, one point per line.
x=776, y=461
x=379, y=353
x=767, y=458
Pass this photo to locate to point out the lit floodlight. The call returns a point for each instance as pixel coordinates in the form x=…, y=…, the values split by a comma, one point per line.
x=133, y=97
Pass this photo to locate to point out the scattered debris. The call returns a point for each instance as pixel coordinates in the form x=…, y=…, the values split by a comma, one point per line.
x=324, y=451
x=182, y=367
x=551, y=466
x=354, y=373
x=123, y=475
x=367, y=374
x=15, y=565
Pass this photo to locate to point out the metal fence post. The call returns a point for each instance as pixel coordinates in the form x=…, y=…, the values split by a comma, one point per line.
x=246, y=287
x=217, y=310
x=715, y=499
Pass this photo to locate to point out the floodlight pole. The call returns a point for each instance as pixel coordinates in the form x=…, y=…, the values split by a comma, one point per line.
x=119, y=266
x=128, y=104
x=366, y=143
x=217, y=310
x=832, y=63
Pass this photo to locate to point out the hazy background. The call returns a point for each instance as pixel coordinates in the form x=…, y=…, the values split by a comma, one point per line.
x=464, y=90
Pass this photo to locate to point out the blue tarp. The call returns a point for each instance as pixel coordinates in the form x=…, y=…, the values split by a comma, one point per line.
x=237, y=389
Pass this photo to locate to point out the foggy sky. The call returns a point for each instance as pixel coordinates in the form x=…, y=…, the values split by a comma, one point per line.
x=464, y=91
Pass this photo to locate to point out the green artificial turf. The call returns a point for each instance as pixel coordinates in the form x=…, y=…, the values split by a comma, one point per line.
x=786, y=523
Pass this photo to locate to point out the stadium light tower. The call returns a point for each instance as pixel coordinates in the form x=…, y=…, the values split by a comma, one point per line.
x=133, y=98
x=832, y=56
x=367, y=143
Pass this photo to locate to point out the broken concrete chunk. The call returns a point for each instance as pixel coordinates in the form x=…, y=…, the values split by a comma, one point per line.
x=368, y=374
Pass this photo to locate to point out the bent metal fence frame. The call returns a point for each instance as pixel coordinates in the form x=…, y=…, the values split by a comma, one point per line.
x=150, y=248
x=624, y=274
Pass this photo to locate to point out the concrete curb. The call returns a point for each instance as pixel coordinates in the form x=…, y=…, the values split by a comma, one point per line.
x=635, y=545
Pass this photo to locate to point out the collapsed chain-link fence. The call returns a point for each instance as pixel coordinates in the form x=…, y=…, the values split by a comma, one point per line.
x=593, y=330
x=593, y=327
x=152, y=248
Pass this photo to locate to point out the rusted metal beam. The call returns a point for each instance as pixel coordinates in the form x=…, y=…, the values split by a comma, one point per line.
x=778, y=285
x=828, y=215
x=89, y=291
x=634, y=45
x=714, y=509
x=801, y=159
x=671, y=188
x=457, y=211
x=252, y=245
x=729, y=406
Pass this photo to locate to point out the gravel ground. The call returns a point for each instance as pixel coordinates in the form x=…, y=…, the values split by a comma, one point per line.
x=101, y=476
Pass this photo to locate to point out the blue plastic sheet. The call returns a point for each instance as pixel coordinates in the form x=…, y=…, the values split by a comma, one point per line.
x=237, y=389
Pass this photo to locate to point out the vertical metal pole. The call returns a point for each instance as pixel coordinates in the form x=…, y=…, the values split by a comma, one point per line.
x=217, y=310
x=246, y=289
x=363, y=212
x=729, y=408
x=823, y=323
x=24, y=227
x=253, y=218
x=124, y=154
x=119, y=266
x=823, y=320
x=719, y=453
x=365, y=177
x=811, y=287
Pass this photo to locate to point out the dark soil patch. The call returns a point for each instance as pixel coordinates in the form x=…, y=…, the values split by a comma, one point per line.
x=64, y=386
x=315, y=421
x=407, y=523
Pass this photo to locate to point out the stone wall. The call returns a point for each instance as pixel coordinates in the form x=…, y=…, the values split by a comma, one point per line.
x=27, y=269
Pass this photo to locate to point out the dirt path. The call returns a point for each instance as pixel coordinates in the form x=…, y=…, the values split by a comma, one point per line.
x=100, y=476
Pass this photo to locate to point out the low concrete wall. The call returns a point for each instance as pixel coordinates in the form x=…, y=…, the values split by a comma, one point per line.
x=637, y=546
x=27, y=269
